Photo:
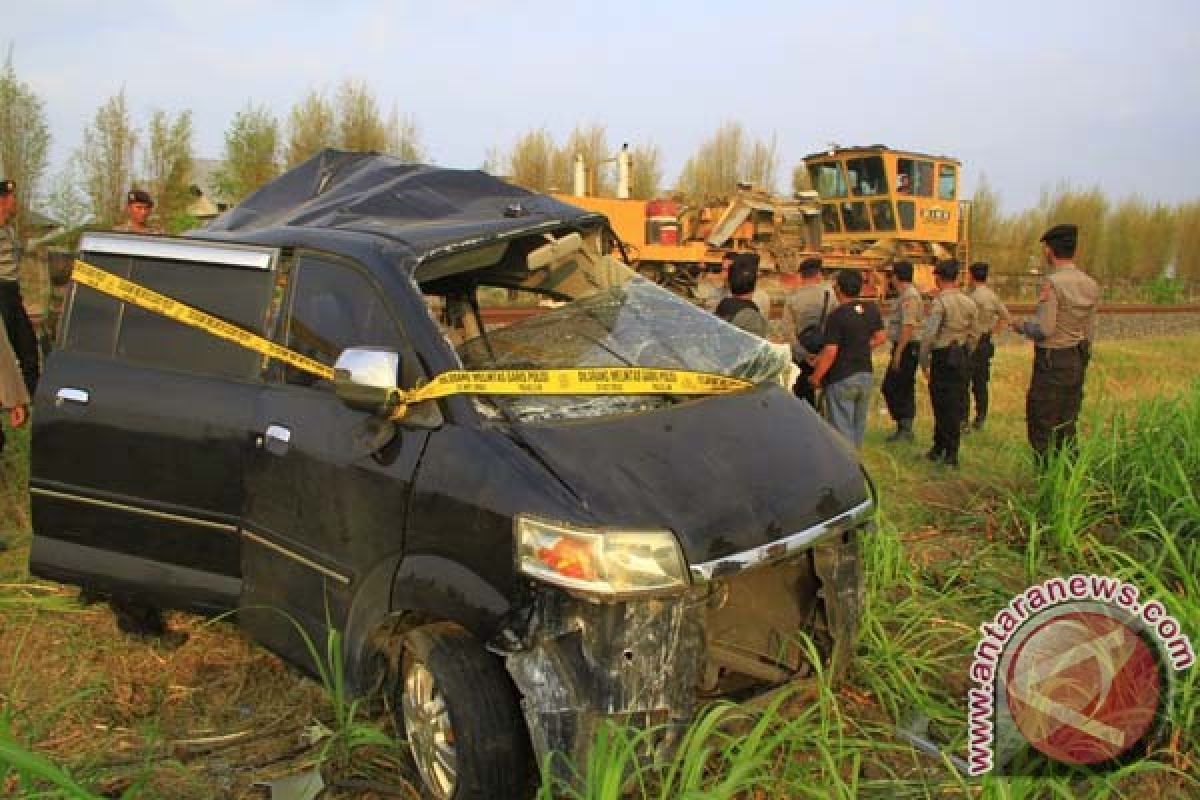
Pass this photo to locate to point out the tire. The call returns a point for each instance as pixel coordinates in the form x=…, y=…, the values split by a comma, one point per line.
x=451, y=689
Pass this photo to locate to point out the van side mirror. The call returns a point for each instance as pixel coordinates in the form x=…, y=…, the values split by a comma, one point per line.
x=366, y=378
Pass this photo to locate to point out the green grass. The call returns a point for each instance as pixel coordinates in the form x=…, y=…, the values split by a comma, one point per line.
x=951, y=548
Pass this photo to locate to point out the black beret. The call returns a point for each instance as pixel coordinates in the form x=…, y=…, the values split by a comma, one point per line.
x=139, y=196
x=903, y=270
x=7, y=187
x=946, y=269
x=743, y=273
x=746, y=261
x=1064, y=235
x=810, y=266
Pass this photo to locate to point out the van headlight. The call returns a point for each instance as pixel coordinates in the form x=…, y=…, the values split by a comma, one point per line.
x=606, y=563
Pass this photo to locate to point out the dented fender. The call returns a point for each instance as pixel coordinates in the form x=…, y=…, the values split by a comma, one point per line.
x=642, y=662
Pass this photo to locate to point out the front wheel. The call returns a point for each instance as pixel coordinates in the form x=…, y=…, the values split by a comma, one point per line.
x=460, y=713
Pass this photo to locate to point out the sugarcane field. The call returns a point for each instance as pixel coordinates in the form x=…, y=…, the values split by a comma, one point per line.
x=565, y=402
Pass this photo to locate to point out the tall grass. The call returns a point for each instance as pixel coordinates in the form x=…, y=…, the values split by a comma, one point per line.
x=34, y=774
x=1126, y=502
x=727, y=752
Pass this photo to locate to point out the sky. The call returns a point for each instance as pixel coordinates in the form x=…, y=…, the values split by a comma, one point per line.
x=1030, y=94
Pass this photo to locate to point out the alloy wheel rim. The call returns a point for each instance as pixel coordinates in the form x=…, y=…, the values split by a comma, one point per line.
x=430, y=732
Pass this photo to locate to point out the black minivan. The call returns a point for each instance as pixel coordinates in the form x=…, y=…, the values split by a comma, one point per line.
x=514, y=568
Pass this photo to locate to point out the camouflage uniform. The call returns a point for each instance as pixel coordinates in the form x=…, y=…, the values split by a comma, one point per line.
x=1063, y=330
x=946, y=344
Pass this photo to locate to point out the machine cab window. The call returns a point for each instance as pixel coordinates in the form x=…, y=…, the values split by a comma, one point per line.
x=947, y=182
x=914, y=177
x=866, y=176
x=828, y=179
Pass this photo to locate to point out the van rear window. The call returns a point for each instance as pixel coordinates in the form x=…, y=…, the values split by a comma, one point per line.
x=100, y=325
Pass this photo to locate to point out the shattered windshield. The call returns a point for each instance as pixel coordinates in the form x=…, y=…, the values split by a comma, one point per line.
x=632, y=322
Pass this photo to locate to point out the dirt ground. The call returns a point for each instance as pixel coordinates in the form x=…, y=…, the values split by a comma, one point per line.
x=216, y=715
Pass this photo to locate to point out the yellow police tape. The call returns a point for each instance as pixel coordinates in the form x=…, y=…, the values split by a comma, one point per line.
x=577, y=381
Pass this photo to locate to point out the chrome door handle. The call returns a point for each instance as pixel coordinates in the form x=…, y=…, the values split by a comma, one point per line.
x=280, y=434
x=275, y=440
x=69, y=395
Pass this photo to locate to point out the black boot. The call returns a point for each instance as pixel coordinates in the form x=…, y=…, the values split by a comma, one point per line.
x=935, y=454
x=903, y=432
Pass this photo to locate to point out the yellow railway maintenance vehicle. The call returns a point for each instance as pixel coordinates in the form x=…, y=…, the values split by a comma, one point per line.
x=871, y=206
x=880, y=205
x=670, y=241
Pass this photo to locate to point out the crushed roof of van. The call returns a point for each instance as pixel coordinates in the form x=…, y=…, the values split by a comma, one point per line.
x=425, y=208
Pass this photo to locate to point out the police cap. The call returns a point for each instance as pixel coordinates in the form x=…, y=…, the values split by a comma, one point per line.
x=139, y=196
x=979, y=270
x=903, y=270
x=947, y=269
x=1061, y=239
x=810, y=267
x=7, y=187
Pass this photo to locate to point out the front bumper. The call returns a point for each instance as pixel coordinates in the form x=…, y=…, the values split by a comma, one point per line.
x=648, y=662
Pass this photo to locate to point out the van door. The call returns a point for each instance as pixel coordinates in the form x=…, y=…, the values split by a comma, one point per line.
x=327, y=487
x=141, y=427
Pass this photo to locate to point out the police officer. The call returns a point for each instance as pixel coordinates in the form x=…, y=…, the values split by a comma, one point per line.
x=904, y=333
x=993, y=317
x=805, y=310
x=138, y=207
x=1062, y=331
x=12, y=308
x=946, y=344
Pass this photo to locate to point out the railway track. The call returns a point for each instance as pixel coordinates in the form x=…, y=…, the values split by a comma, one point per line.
x=1120, y=308
x=507, y=315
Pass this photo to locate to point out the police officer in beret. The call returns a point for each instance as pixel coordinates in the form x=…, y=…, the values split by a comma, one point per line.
x=12, y=308
x=993, y=317
x=946, y=345
x=1062, y=332
x=138, y=207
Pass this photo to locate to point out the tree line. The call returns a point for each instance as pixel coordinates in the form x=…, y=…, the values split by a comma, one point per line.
x=1129, y=239
x=159, y=157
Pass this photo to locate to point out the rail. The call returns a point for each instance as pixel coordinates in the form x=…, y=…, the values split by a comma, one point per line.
x=507, y=315
x=1121, y=308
